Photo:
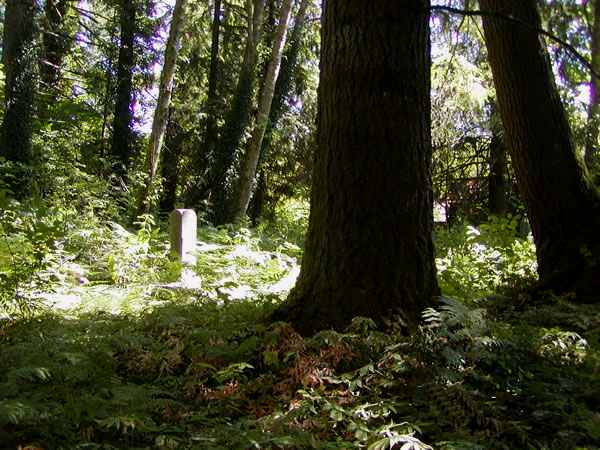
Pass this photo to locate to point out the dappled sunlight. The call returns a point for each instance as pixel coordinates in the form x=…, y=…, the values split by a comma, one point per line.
x=476, y=261
x=177, y=366
x=150, y=288
x=135, y=355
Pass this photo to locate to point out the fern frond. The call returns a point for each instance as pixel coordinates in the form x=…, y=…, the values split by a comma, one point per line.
x=455, y=311
x=14, y=412
x=34, y=374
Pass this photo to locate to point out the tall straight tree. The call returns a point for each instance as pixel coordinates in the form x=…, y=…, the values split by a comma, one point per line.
x=497, y=183
x=236, y=121
x=561, y=201
x=283, y=89
x=591, y=144
x=205, y=152
x=19, y=61
x=248, y=173
x=159, y=124
x=369, y=249
x=122, y=135
x=212, y=133
x=55, y=45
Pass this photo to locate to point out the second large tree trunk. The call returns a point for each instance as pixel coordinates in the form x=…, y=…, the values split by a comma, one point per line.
x=369, y=249
x=18, y=58
x=55, y=46
x=122, y=137
x=562, y=204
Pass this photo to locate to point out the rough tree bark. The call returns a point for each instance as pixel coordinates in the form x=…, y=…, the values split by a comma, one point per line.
x=248, y=172
x=19, y=61
x=159, y=124
x=369, y=249
x=122, y=135
x=55, y=45
x=497, y=198
x=562, y=203
x=170, y=166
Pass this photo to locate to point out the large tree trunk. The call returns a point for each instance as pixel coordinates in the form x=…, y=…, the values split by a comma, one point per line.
x=19, y=60
x=55, y=45
x=561, y=201
x=369, y=249
x=161, y=112
x=591, y=144
x=236, y=121
x=254, y=146
x=122, y=137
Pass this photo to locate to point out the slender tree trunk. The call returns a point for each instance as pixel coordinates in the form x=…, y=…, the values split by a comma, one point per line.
x=369, y=249
x=591, y=144
x=19, y=61
x=497, y=195
x=282, y=92
x=122, y=137
x=288, y=66
x=497, y=202
x=562, y=203
x=212, y=133
x=198, y=192
x=170, y=166
x=251, y=161
x=236, y=121
x=161, y=112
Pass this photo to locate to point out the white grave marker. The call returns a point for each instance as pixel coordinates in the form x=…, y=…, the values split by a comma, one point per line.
x=183, y=234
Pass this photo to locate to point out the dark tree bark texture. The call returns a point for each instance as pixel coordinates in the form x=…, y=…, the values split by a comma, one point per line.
x=55, y=46
x=122, y=137
x=19, y=60
x=170, y=166
x=369, y=249
x=497, y=200
x=561, y=201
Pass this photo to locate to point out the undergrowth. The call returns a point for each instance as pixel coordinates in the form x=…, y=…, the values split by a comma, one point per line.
x=139, y=361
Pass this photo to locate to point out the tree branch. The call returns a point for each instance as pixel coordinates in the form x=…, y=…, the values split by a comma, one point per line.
x=582, y=59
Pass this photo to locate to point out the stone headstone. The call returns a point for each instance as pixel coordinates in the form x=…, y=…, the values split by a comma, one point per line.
x=183, y=234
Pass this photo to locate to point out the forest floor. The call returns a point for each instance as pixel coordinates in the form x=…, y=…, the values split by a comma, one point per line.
x=127, y=358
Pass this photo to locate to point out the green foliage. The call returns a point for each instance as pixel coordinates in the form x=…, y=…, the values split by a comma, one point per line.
x=134, y=259
x=508, y=378
x=139, y=361
x=237, y=263
x=30, y=244
x=477, y=261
